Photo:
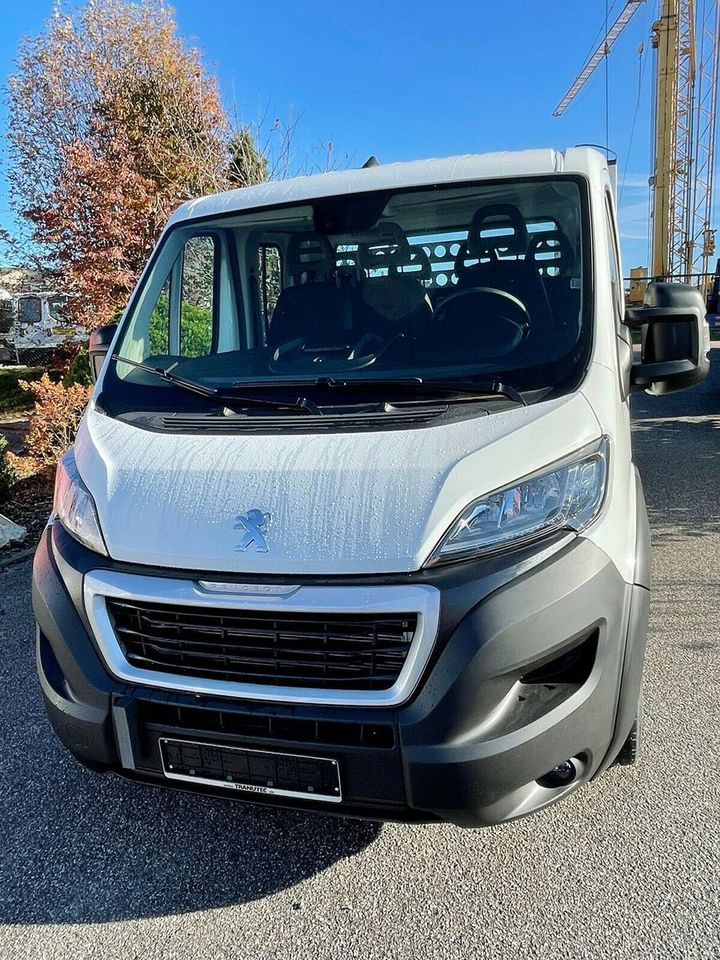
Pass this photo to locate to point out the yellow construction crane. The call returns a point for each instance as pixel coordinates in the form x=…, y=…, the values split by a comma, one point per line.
x=686, y=38
x=598, y=55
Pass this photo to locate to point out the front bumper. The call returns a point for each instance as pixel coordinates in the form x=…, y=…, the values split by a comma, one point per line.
x=495, y=709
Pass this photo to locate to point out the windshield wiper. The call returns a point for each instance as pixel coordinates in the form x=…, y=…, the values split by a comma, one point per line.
x=466, y=389
x=213, y=393
x=329, y=382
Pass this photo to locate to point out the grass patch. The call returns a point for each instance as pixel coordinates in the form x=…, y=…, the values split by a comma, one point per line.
x=13, y=400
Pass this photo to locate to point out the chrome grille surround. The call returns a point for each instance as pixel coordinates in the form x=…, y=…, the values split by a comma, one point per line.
x=383, y=600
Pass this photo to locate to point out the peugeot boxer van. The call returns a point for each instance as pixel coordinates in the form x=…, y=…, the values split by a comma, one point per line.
x=352, y=523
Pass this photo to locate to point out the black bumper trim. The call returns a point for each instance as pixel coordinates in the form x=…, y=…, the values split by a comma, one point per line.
x=469, y=746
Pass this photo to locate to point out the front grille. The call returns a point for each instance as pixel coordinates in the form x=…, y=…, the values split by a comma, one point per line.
x=350, y=651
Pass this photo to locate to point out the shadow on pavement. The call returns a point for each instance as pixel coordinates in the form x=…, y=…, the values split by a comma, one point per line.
x=85, y=848
x=80, y=847
x=689, y=508
x=682, y=502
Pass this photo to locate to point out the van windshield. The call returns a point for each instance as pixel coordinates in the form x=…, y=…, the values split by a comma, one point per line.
x=447, y=283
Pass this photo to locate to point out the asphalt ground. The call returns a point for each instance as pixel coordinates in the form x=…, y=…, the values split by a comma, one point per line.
x=93, y=867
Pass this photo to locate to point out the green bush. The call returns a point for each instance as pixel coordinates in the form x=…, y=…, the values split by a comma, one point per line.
x=159, y=327
x=195, y=330
x=8, y=476
x=13, y=401
x=79, y=370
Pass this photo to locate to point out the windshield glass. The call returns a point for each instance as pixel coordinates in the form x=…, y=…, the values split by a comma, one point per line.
x=486, y=281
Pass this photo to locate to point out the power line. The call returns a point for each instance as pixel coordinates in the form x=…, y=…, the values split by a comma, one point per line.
x=641, y=72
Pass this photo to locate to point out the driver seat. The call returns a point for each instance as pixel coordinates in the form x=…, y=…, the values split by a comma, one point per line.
x=485, y=244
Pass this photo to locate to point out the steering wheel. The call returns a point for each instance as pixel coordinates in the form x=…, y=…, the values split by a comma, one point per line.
x=501, y=331
x=511, y=309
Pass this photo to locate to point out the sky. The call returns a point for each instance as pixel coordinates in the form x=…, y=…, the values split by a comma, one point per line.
x=406, y=80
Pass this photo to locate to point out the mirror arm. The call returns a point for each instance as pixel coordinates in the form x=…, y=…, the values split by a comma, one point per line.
x=637, y=317
x=645, y=374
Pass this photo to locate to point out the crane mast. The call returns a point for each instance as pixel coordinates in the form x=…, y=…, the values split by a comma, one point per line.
x=686, y=38
x=662, y=180
x=687, y=44
x=673, y=39
x=702, y=239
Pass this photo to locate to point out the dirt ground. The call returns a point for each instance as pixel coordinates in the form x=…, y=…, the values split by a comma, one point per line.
x=31, y=502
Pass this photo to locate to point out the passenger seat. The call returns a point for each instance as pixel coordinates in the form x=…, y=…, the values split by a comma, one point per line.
x=315, y=308
x=397, y=302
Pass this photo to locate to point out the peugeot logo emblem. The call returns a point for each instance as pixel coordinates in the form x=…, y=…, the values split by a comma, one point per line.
x=254, y=525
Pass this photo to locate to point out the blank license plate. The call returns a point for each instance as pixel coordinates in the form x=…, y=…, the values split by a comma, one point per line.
x=251, y=771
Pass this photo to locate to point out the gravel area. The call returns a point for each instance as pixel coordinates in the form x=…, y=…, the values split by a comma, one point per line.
x=31, y=502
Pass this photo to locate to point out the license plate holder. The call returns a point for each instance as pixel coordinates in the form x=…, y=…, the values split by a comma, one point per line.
x=251, y=771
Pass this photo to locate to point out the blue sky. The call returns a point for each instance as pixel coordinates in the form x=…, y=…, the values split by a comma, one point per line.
x=405, y=80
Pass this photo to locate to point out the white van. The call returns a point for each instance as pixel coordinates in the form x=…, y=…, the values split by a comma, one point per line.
x=32, y=327
x=352, y=523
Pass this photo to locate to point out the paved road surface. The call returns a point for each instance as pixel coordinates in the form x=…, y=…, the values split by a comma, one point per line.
x=93, y=867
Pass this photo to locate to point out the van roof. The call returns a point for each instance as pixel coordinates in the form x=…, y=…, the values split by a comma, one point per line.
x=416, y=173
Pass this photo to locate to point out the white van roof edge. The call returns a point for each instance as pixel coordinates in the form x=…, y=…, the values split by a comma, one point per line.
x=481, y=166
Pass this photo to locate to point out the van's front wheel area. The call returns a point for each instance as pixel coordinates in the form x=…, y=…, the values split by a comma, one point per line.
x=630, y=750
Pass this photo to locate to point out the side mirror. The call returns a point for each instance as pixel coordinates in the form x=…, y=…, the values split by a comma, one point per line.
x=99, y=345
x=675, y=338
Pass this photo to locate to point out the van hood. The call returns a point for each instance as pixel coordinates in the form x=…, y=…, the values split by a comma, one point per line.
x=313, y=504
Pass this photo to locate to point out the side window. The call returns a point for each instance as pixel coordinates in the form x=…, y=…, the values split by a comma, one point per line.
x=616, y=282
x=269, y=279
x=56, y=305
x=197, y=303
x=6, y=314
x=191, y=305
x=29, y=310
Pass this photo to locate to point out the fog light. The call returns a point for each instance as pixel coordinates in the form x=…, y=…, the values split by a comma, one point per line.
x=560, y=776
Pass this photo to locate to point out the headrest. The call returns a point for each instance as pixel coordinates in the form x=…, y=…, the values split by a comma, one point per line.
x=551, y=248
x=387, y=248
x=309, y=253
x=392, y=252
x=497, y=216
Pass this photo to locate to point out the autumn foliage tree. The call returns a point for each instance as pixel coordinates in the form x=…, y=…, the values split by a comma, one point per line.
x=55, y=420
x=113, y=121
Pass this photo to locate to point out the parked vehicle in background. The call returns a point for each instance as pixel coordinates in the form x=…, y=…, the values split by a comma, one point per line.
x=713, y=298
x=352, y=522
x=32, y=325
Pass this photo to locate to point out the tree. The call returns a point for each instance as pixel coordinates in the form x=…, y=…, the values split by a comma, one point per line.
x=113, y=122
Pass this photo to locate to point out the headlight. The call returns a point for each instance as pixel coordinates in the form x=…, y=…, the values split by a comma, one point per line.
x=74, y=506
x=567, y=495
